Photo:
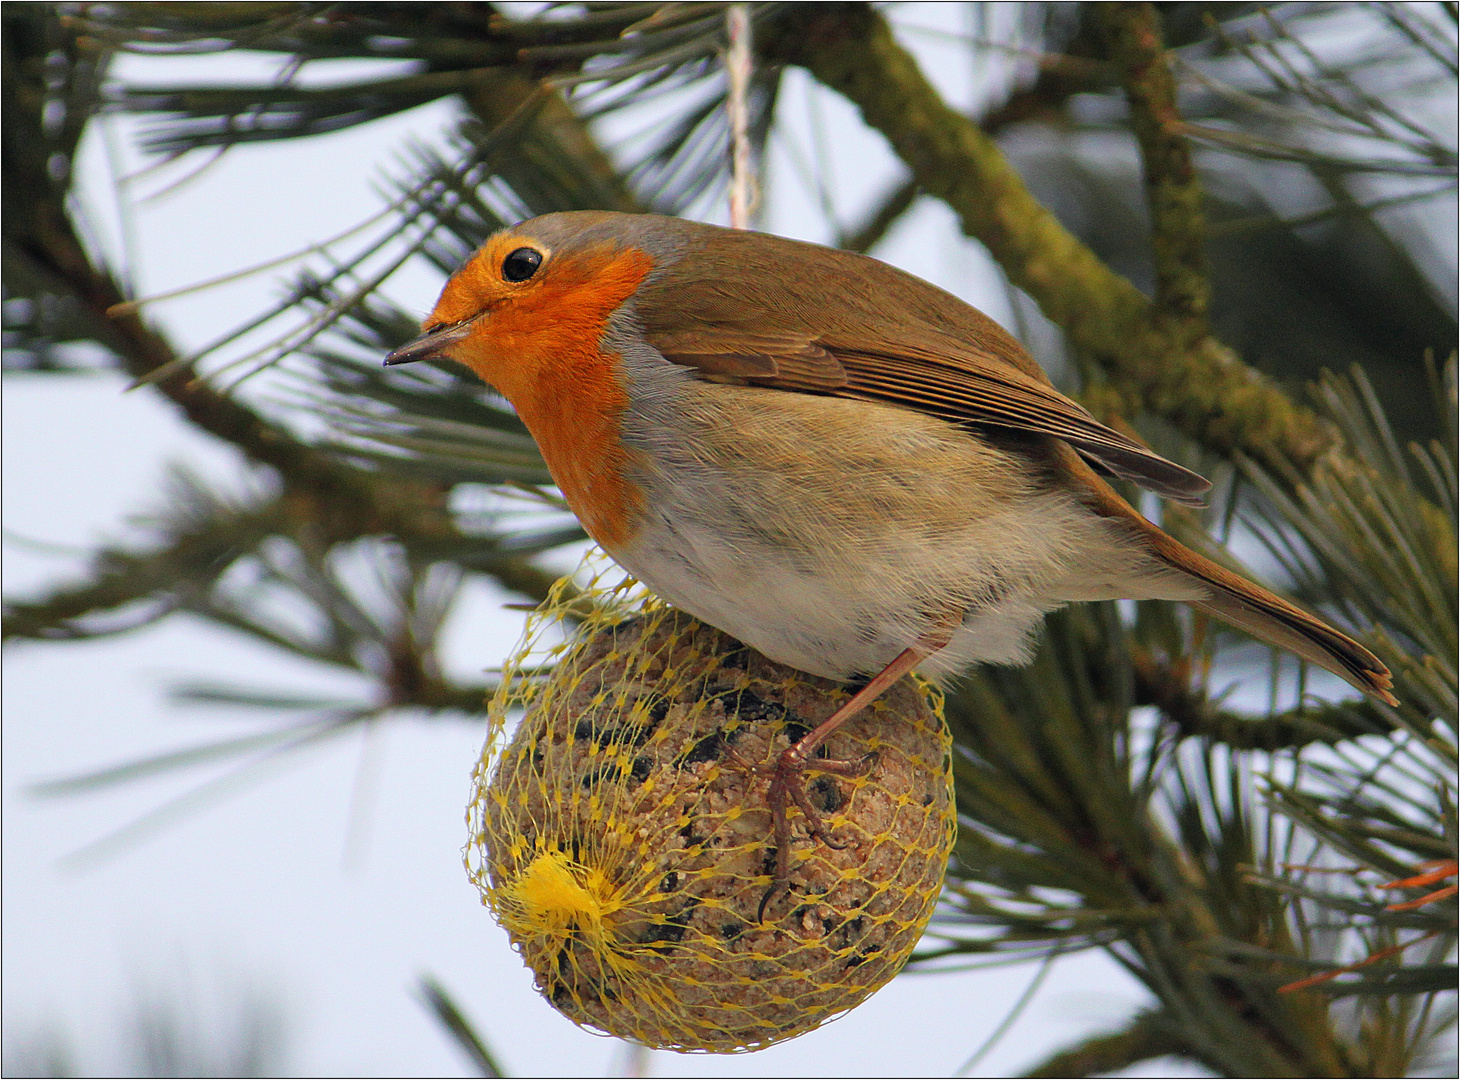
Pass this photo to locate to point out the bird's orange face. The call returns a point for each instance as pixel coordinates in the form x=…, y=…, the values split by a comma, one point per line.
x=530, y=317
x=529, y=320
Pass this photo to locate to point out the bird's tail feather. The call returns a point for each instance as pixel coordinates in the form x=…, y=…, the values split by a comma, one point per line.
x=1270, y=618
x=1247, y=606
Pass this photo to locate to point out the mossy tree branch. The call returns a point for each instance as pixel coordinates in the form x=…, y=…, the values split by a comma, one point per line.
x=1173, y=190
x=1057, y=83
x=1203, y=388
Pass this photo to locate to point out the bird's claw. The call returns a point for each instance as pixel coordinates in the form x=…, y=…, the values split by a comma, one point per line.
x=786, y=788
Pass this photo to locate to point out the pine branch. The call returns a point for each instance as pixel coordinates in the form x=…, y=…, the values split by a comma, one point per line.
x=189, y=563
x=1147, y=1036
x=1072, y=837
x=345, y=500
x=1192, y=714
x=342, y=502
x=173, y=575
x=1205, y=390
x=496, y=97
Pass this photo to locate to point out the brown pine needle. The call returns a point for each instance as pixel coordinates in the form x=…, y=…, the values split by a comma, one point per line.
x=1429, y=898
x=1435, y=870
x=1372, y=958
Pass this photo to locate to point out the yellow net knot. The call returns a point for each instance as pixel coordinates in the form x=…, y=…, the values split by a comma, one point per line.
x=553, y=894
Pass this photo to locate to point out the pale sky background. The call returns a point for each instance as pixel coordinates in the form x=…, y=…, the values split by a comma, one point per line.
x=281, y=889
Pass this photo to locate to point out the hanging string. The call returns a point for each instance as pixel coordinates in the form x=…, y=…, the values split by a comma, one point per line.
x=738, y=68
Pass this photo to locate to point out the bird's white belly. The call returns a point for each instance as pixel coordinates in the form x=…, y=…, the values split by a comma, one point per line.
x=831, y=536
x=815, y=621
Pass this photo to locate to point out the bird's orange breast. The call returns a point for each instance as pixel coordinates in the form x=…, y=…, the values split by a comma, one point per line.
x=543, y=349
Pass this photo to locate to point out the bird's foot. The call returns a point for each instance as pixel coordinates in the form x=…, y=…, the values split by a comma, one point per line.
x=788, y=786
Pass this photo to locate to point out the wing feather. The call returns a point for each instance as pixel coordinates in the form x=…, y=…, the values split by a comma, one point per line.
x=771, y=312
x=960, y=394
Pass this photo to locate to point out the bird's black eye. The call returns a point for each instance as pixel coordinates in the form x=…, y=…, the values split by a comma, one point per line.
x=521, y=264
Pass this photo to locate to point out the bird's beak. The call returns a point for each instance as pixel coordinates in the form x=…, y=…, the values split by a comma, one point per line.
x=436, y=343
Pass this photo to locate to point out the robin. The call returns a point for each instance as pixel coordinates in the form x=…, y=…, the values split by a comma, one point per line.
x=839, y=464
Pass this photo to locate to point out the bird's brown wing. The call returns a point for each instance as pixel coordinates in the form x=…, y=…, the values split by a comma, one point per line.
x=742, y=306
x=937, y=375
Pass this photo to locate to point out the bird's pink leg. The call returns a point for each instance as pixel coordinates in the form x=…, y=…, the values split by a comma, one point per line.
x=786, y=787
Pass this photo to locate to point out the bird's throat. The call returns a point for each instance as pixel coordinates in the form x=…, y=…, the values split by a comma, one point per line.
x=545, y=354
x=578, y=432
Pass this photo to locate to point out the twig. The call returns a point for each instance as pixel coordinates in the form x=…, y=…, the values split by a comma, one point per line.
x=893, y=205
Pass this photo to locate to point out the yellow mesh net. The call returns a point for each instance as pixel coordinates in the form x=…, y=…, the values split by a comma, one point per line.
x=622, y=838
